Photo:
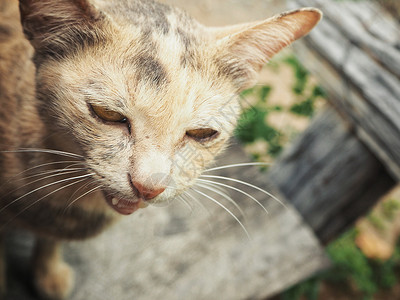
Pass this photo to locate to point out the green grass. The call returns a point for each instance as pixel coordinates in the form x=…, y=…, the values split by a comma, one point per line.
x=300, y=72
x=390, y=208
x=253, y=124
x=306, y=100
x=350, y=268
x=306, y=106
x=376, y=221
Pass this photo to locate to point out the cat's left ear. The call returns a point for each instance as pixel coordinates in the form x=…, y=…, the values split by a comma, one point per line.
x=55, y=27
x=242, y=50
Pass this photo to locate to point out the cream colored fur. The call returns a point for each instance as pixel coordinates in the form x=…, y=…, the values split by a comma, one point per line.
x=163, y=71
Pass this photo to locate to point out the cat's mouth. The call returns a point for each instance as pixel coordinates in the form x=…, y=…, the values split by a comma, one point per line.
x=125, y=206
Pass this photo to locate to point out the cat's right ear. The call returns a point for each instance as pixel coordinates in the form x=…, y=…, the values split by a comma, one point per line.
x=242, y=50
x=55, y=27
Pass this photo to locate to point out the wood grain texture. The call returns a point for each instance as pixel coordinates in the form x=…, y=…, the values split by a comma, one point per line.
x=330, y=176
x=172, y=253
x=355, y=53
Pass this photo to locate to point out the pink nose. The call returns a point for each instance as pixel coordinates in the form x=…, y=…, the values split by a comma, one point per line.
x=147, y=193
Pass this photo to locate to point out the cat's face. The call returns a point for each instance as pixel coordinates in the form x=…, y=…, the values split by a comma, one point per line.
x=158, y=130
x=150, y=106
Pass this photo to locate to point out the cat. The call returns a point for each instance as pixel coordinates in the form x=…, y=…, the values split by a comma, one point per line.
x=101, y=103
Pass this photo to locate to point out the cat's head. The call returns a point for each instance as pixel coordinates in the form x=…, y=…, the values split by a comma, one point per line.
x=149, y=94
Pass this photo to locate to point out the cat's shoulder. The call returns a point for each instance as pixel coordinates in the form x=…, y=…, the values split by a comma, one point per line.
x=16, y=67
x=14, y=48
x=10, y=26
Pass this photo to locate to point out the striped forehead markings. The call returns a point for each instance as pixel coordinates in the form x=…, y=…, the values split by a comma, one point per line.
x=150, y=69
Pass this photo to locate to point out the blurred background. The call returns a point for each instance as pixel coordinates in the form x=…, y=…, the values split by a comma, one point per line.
x=324, y=72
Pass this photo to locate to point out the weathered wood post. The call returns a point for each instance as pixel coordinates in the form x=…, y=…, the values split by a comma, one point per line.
x=350, y=155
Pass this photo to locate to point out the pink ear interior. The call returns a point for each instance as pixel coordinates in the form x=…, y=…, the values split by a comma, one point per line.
x=255, y=43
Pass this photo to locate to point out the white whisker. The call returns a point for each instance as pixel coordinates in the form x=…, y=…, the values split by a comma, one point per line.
x=81, y=196
x=171, y=187
x=203, y=207
x=220, y=188
x=41, y=198
x=245, y=183
x=52, y=173
x=46, y=164
x=186, y=193
x=238, y=165
x=44, y=186
x=235, y=189
x=80, y=188
x=226, y=209
x=49, y=151
x=58, y=173
x=187, y=204
x=229, y=199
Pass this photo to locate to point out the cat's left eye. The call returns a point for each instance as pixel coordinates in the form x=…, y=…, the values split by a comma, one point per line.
x=108, y=115
x=202, y=134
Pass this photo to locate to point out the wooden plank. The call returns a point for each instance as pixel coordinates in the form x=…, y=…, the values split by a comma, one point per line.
x=171, y=253
x=379, y=24
x=330, y=176
x=358, y=85
x=343, y=98
x=365, y=25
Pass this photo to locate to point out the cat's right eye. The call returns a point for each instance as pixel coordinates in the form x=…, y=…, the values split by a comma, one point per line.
x=202, y=134
x=108, y=115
